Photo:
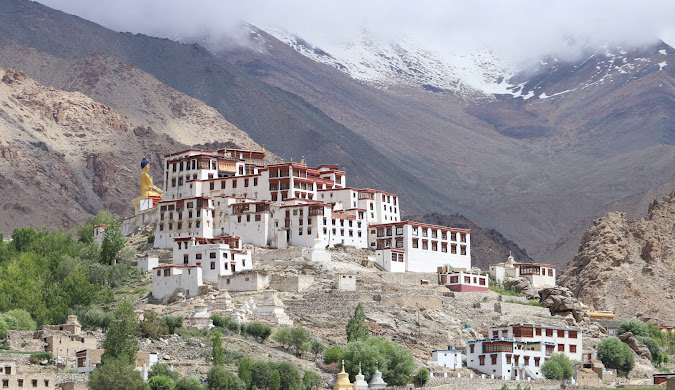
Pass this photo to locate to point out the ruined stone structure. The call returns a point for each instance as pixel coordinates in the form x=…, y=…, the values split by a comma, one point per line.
x=11, y=378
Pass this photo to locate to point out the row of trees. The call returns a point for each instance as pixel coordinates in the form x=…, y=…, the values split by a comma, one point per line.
x=52, y=274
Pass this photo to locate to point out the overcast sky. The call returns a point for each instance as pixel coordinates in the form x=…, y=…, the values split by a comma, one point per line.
x=515, y=29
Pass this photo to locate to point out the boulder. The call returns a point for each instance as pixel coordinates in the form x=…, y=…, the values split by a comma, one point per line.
x=634, y=344
x=561, y=301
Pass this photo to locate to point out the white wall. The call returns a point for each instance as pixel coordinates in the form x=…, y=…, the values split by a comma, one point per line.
x=187, y=278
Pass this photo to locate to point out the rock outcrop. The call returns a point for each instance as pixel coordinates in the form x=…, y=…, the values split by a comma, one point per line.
x=64, y=156
x=625, y=266
x=634, y=344
x=562, y=302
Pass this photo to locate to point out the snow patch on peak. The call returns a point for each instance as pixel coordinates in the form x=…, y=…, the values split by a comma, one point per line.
x=405, y=62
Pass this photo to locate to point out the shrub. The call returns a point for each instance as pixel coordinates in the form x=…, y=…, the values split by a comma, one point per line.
x=153, y=325
x=173, y=323
x=332, y=355
x=422, y=377
x=189, y=383
x=161, y=382
x=226, y=323
x=245, y=370
x=37, y=357
x=635, y=326
x=161, y=369
x=615, y=354
x=317, y=348
x=558, y=367
x=3, y=329
x=93, y=318
x=219, y=378
x=311, y=381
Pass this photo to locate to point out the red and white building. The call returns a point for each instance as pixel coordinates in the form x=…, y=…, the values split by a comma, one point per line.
x=233, y=193
x=519, y=350
x=463, y=281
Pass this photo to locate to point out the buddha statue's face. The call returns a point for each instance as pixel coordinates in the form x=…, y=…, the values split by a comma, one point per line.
x=146, y=169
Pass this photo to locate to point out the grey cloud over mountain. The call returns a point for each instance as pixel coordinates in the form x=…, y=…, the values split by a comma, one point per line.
x=519, y=30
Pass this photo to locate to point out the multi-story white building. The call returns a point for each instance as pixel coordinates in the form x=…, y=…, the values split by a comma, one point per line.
x=232, y=193
x=519, y=350
x=219, y=256
x=418, y=247
x=539, y=275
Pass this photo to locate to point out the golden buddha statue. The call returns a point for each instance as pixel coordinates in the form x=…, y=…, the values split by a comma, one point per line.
x=148, y=190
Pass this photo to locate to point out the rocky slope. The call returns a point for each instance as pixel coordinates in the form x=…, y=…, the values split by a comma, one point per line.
x=64, y=156
x=626, y=265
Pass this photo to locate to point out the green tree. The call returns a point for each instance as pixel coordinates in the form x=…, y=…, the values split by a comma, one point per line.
x=245, y=370
x=261, y=372
x=116, y=374
x=219, y=378
x=113, y=242
x=92, y=318
x=300, y=337
x=283, y=337
x=120, y=340
x=86, y=232
x=317, y=348
x=311, y=381
x=653, y=347
x=615, y=354
x=635, y=326
x=161, y=369
x=23, y=319
x=396, y=362
x=558, y=367
x=422, y=377
x=173, y=323
x=356, y=326
x=189, y=383
x=259, y=331
x=275, y=381
x=161, y=382
x=23, y=238
x=218, y=352
x=288, y=374
x=3, y=329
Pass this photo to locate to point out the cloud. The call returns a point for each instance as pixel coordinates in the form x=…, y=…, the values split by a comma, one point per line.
x=514, y=29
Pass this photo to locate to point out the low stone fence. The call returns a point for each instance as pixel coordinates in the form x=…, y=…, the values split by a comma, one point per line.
x=482, y=382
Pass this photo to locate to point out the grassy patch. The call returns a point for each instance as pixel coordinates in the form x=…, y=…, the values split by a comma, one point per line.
x=528, y=303
x=504, y=291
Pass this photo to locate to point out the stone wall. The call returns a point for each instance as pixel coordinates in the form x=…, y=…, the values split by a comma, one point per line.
x=478, y=383
x=291, y=283
x=279, y=254
x=25, y=341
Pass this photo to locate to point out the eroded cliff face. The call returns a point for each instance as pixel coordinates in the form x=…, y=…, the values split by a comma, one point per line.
x=628, y=266
x=64, y=156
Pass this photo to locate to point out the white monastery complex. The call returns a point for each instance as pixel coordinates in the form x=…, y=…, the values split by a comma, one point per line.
x=215, y=202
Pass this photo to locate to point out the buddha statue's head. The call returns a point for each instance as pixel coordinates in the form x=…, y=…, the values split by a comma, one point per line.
x=145, y=164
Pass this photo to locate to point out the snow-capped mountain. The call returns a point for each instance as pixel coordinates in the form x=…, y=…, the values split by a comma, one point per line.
x=406, y=62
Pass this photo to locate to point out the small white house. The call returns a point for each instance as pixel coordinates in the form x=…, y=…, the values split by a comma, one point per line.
x=540, y=275
x=462, y=281
x=169, y=278
x=451, y=358
x=345, y=282
x=146, y=264
x=99, y=233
